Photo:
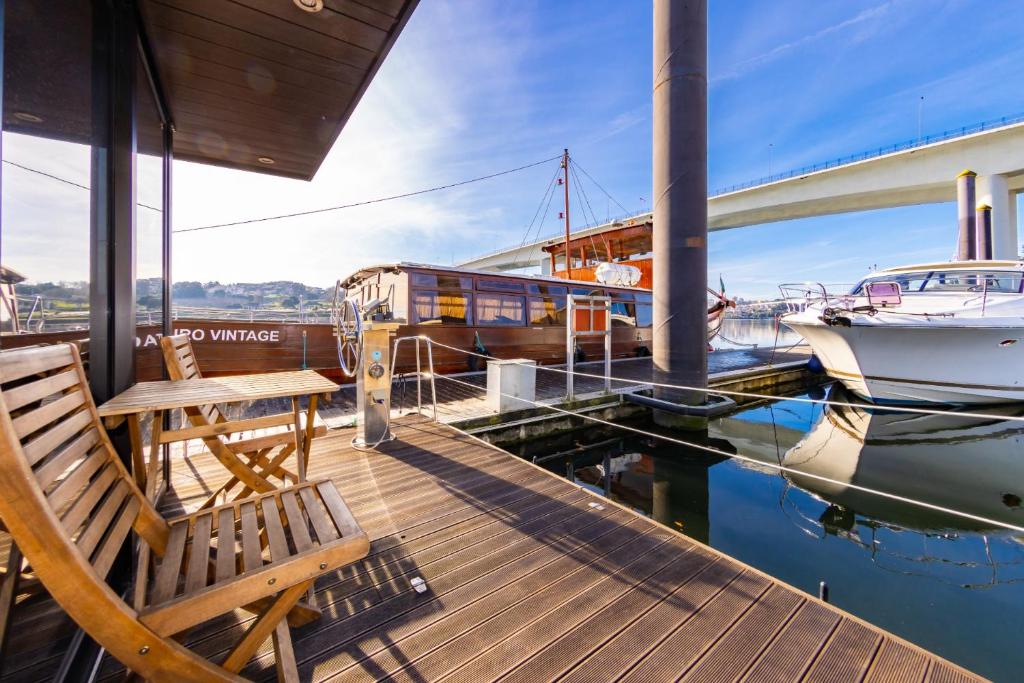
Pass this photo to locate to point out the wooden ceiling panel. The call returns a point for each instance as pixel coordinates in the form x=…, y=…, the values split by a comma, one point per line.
x=252, y=78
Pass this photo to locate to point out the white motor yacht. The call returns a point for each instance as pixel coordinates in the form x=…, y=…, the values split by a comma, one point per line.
x=948, y=333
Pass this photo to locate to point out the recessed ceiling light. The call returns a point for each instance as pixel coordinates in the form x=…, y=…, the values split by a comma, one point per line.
x=309, y=5
x=27, y=118
x=265, y=160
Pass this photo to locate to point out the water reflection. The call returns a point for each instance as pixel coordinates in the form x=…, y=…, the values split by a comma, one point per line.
x=743, y=333
x=948, y=583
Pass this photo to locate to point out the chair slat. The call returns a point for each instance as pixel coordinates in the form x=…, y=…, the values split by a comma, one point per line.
x=325, y=532
x=339, y=511
x=85, y=503
x=199, y=557
x=50, y=439
x=296, y=522
x=35, y=420
x=34, y=391
x=251, y=550
x=73, y=483
x=51, y=469
x=226, y=544
x=20, y=363
x=170, y=567
x=100, y=522
x=275, y=532
x=104, y=558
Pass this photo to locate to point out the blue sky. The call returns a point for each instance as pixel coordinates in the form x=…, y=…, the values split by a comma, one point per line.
x=477, y=86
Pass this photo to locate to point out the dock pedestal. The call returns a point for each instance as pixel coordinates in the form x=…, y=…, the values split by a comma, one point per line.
x=511, y=384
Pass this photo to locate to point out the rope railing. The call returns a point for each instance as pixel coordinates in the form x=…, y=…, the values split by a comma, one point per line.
x=760, y=463
x=754, y=395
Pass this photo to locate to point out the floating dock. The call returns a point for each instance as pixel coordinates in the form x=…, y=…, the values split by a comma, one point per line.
x=524, y=576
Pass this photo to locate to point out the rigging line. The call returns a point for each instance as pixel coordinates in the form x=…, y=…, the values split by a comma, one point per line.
x=584, y=172
x=544, y=216
x=579, y=198
x=763, y=463
x=529, y=228
x=63, y=180
x=366, y=202
x=581, y=188
x=747, y=394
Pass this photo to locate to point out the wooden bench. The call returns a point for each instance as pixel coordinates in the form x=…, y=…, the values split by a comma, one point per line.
x=70, y=505
x=257, y=451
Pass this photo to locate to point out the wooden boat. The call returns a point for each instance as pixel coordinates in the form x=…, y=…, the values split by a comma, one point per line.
x=496, y=314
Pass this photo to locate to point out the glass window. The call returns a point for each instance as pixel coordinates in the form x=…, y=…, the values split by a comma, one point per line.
x=623, y=314
x=441, y=308
x=547, y=311
x=621, y=295
x=546, y=290
x=583, y=291
x=149, y=217
x=500, y=309
x=644, y=298
x=442, y=281
x=644, y=315
x=49, y=138
x=500, y=285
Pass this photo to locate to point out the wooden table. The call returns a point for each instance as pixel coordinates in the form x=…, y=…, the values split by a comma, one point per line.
x=159, y=397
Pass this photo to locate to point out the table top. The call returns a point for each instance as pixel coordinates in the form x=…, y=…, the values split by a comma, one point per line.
x=145, y=397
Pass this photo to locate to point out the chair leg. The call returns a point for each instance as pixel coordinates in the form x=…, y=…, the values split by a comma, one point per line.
x=268, y=469
x=264, y=626
x=284, y=654
x=8, y=595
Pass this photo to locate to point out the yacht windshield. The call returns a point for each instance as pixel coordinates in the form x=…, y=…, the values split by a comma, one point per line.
x=938, y=281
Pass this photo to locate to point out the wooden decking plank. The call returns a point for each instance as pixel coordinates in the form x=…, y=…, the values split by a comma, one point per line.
x=525, y=582
x=405, y=613
x=846, y=655
x=687, y=643
x=455, y=571
x=349, y=592
x=741, y=644
x=897, y=662
x=469, y=630
x=575, y=601
x=792, y=652
x=569, y=649
x=609, y=659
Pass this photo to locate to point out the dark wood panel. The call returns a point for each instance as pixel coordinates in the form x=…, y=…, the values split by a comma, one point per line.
x=171, y=24
x=273, y=29
x=335, y=24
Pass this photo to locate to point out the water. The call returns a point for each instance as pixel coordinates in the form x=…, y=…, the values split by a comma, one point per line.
x=743, y=333
x=951, y=585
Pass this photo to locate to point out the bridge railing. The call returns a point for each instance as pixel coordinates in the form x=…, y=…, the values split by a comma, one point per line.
x=949, y=134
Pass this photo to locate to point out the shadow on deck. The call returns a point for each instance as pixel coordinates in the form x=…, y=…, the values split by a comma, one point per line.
x=531, y=578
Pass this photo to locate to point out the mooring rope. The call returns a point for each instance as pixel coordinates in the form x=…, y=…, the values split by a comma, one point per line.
x=749, y=394
x=744, y=458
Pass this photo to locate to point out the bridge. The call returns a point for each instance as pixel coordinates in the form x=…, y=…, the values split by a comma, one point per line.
x=920, y=171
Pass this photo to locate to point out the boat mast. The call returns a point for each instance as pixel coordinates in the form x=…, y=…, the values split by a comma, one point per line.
x=565, y=181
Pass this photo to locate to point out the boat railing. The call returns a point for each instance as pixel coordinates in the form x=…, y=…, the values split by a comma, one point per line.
x=416, y=341
x=797, y=296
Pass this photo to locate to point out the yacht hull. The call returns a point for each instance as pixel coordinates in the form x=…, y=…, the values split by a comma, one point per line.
x=970, y=364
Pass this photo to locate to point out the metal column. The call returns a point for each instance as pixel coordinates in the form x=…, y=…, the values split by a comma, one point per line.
x=680, y=204
x=965, y=206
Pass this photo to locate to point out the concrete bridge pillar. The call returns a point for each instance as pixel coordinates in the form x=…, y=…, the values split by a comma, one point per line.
x=993, y=190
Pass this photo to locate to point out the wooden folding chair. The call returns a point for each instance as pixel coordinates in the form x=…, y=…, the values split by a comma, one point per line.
x=70, y=505
x=252, y=462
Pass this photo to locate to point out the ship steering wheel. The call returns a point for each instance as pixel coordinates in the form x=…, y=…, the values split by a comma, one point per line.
x=348, y=331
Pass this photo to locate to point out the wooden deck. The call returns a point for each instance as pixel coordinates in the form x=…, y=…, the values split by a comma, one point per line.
x=529, y=578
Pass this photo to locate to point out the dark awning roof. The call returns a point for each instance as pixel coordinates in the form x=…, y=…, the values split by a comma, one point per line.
x=252, y=79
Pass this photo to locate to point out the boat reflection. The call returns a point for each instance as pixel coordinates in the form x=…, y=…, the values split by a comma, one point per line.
x=969, y=465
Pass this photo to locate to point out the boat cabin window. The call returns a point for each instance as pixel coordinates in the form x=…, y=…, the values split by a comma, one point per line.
x=435, y=281
x=546, y=290
x=500, y=309
x=644, y=310
x=442, y=308
x=583, y=291
x=500, y=285
x=939, y=281
x=623, y=314
x=547, y=311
